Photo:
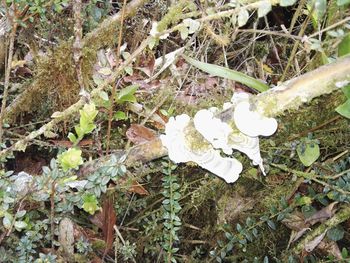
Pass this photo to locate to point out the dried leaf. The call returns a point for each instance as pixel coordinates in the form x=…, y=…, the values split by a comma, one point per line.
x=57, y=114
x=310, y=246
x=295, y=222
x=295, y=235
x=137, y=188
x=147, y=65
x=139, y=134
x=165, y=62
x=330, y=248
x=322, y=215
x=97, y=219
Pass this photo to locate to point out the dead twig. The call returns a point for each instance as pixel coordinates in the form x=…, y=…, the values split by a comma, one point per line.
x=8, y=69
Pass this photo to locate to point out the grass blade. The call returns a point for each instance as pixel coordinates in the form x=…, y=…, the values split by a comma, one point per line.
x=228, y=74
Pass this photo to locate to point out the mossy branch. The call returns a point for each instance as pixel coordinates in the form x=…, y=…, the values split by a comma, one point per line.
x=293, y=94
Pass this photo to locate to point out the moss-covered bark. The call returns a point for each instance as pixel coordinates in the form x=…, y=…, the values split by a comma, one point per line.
x=56, y=75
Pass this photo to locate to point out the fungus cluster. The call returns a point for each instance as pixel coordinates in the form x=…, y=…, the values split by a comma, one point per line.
x=210, y=136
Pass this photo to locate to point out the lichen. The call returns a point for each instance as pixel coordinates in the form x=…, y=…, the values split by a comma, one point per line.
x=195, y=140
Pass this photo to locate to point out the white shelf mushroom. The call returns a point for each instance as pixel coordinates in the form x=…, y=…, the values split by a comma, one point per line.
x=181, y=145
x=249, y=146
x=213, y=129
x=179, y=150
x=252, y=123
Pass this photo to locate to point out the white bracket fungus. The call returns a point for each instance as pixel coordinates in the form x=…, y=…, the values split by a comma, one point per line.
x=203, y=143
x=252, y=123
x=180, y=150
x=213, y=129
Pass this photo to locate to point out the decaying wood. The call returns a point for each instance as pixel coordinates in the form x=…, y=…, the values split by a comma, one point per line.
x=300, y=90
x=141, y=153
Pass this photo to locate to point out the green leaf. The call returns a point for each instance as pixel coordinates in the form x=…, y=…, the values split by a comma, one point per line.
x=90, y=203
x=103, y=95
x=19, y=225
x=318, y=9
x=79, y=131
x=72, y=137
x=6, y=222
x=255, y=232
x=70, y=159
x=20, y=213
x=346, y=91
x=287, y=2
x=152, y=43
x=120, y=115
x=184, y=32
x=344, y=109
x=343, y=2
x=129, y=70
x=88, y=113
x=305, y=200
x=88, y=127
x=105, y=71
x=271, y=224
x=243, y=17
x=308, y=152
x=344, y=46
x=127, y=94
x=264, y=8
x=228, y=74
x=344, y=253
x=335, y=233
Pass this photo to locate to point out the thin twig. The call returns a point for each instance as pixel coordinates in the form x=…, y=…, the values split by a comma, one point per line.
x=273, y=33
x=295, y=48
x=7, y=74
x=314, y=128
x=110, y=113
x=52, y=213
x=330, y=27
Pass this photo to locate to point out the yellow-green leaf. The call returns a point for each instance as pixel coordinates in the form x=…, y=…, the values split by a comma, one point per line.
x=308, y=152
x=70, y=159
x=344, y=46
x=228, y=74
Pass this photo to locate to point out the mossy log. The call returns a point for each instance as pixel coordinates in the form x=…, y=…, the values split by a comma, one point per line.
x=289, y=96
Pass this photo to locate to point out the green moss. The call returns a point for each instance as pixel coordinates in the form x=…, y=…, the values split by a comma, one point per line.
x=98, y=244
x=174, y=14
